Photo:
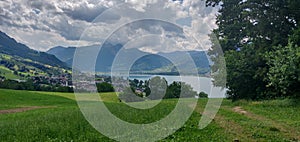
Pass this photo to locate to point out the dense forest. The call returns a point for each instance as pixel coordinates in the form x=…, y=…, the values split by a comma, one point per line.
x=260, y=41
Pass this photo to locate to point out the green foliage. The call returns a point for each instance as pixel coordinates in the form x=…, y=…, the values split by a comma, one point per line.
x=244, y=74
x=295, y=37
x=105, y=87
x=248, y=31
x=180, y=90
x=30, y=85
x=157, y=88
x=203, y=95
x=173, y=90
x=284, y=72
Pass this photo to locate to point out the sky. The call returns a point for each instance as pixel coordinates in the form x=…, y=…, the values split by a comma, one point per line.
x=174, y=25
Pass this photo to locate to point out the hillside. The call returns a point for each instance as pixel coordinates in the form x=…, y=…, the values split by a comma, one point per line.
x=17, y=61
x=14, y=67
x=64, y=54
x=152, y=63
x=11, y=47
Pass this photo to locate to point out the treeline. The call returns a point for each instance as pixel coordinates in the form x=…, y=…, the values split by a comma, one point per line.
x=37, y=86
x=105, y=87
x=157, y=88
x=31, y=86
x=260, y=41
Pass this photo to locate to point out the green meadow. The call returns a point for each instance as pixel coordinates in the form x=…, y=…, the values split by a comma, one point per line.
x=8, y=73
x=56, y=117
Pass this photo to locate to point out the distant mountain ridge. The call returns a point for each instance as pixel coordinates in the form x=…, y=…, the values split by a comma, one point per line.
x=18, y=61
x=11, y=47
x=148, y=63
x=62, y=53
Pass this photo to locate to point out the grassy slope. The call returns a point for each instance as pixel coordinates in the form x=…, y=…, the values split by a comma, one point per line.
x=264, y=121
x=7, y=73
x=33, y=68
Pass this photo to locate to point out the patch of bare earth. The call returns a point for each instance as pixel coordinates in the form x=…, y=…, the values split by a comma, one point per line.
x=23, y=109
x=240, y=110
x=290, y=132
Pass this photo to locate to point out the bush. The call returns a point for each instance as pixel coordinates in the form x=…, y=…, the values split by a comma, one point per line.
x=284, y=74
x=203, y=95
x=105, y=87
x=180, y=90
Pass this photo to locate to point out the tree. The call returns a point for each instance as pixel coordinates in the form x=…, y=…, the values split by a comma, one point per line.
x=105, y=87
x=187, y=91
x=295, y=37
x=241, y=75
x=247, y=31
x=141, y=82
x=180, y=90
x=284, y=72
x=203, y=95
x=158, y=87
x=173, y=90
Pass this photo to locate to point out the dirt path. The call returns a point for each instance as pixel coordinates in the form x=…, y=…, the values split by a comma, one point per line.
x=240, y=110
x=23, y=109
x=231, y=128
x=290, y=132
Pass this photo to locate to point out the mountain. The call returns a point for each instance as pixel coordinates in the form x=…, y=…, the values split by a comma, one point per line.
x=11, y=47
x=151, y=63
x=17, y=61
x=63, y=54
x=104, y=60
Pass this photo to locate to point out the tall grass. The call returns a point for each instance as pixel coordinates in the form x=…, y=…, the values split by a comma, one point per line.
x=265, y=121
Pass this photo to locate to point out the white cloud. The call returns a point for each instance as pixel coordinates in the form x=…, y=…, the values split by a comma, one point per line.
x=41, y=40
x=42, y=24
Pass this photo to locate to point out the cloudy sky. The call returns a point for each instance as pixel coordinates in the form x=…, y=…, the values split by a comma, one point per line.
x=174, y=25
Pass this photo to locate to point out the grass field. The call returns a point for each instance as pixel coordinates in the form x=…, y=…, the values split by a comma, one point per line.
x=59, y=119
